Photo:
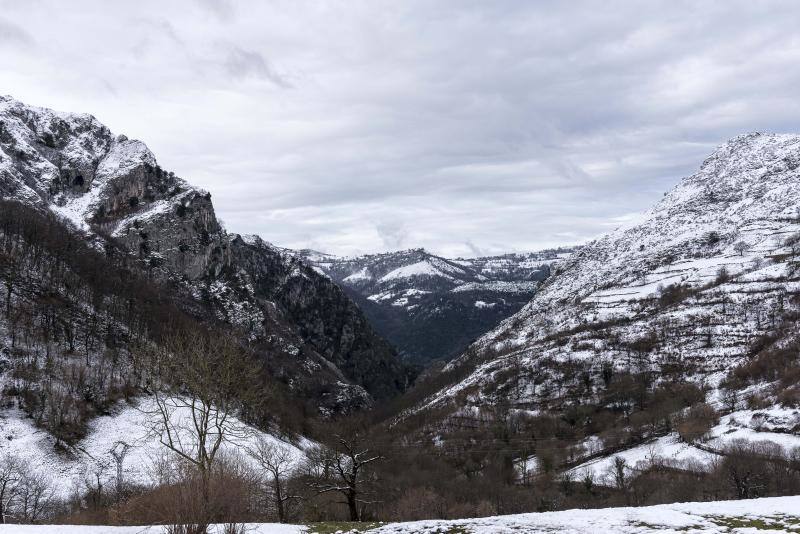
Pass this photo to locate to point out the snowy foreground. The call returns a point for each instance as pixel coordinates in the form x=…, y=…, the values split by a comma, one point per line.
x=777, y=514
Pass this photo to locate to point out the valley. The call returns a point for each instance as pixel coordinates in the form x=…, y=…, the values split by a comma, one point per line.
x=654, y=364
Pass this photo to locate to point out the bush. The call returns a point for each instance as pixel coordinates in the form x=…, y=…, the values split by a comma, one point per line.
x=697, y=421
x=722, y=276
x=790, y=397
x=674, y=294
x=712, y=238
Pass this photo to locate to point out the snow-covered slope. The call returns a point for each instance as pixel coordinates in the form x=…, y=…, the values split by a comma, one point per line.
x=432, y=307
x=777, y=514
x=700, y=278
x=703, y=283
x=774, y=429
x=128, y=425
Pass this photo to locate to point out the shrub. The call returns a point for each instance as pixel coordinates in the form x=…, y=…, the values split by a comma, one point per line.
x=697, y=421
x=722, y=276
x=712, y=238
x=674, y=294
x=789, y=397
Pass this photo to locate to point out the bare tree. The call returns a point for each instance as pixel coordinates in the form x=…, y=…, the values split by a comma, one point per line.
x=93, y=482
x=9, y=480
x=343, y=468
x=198, y=381
x=10, y=263
x=34, y=493
x=619, y=474
x=118, y=452
x=744, y=469
x=741, y=247
x=25, y=492
x=279, y=462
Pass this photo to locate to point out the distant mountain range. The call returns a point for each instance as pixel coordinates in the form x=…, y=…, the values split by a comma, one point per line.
x=429, y=307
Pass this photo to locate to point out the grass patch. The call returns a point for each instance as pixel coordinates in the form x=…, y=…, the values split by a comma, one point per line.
x=332, y=527
x=785, y=523
x=654, y=527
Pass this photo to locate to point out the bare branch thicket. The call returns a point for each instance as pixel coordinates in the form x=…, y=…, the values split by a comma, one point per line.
x=25, y=493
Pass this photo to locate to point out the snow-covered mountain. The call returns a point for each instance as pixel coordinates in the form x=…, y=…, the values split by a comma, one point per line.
x=700, y=277
x=706, y=283
x=430, y=307
x=113, y=193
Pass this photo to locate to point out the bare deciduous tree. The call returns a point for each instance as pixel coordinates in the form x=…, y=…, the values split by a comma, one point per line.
x=198, y=381
x=25, y=492
x=741, y=247
x=343, y=468
x=34, y=494
x=118, y=452
x=618, y=473
x=9, y=478
x=279, y=462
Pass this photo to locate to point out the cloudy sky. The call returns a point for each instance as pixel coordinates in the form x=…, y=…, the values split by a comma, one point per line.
x=467, y=127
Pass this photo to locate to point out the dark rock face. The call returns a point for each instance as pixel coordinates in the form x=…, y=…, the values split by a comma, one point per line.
x=325, y=318
x=112, y=191
x=185, y=237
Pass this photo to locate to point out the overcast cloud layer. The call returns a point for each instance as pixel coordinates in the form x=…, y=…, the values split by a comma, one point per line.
x=464, y=127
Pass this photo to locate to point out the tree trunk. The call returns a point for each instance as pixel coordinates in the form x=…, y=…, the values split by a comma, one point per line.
x=279, y=501
x=205, y=483
x=352, y=506
x=9, y=289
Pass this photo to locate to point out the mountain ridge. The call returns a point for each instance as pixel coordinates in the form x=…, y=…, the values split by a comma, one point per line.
x=727, y=222
x=112, y=190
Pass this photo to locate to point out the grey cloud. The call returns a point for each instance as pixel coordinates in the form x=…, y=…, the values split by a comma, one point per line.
x=393, y=234
x=241, y=63
x=14, y=34
x=465, y=127
x=475, y=250
x=223, y=9
x=158, y=27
